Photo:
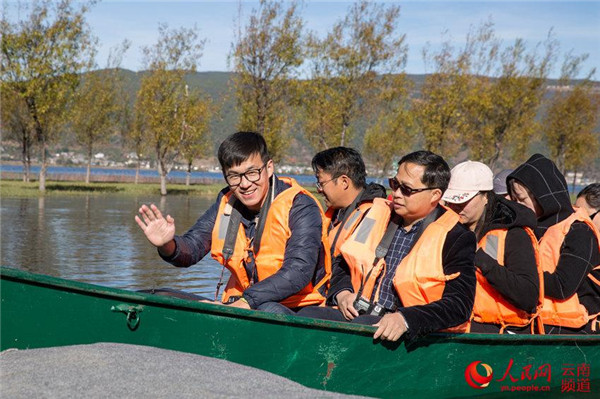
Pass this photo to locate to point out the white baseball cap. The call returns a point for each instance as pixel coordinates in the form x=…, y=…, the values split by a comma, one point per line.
x=467, y=179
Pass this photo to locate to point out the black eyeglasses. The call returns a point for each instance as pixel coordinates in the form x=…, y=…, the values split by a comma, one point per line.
x=320, y=184
x=405, y=190
x=593, y=215
x=252, y=175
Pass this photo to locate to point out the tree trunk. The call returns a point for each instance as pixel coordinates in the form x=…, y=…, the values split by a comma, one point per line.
x=188, y=175
x=26, y=170
x=495, y=156
x=343, y=138
x=163, y=177
x=574, y=179
x=137, y=172
x=163, y=184
x=89, y=167
x=43, y=168
x=26, y=157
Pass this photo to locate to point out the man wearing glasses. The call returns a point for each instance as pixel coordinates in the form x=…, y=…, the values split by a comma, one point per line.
x=266, y=230
x=410, y=261
x=341, y=180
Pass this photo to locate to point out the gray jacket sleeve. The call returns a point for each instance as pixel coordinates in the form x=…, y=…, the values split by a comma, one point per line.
x=192, y=246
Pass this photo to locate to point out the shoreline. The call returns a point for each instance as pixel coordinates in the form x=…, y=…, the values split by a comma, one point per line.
x=14, y=186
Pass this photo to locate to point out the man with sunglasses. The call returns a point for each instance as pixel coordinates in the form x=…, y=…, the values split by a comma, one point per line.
x=266, y=230
x=410, y=261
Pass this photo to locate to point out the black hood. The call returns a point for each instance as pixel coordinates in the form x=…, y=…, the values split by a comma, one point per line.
x=372, y=191
x=508, y=214
x=549, y=187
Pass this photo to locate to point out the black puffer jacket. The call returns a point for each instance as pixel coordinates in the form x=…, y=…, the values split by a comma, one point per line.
x=517, y=280
x=579, y=252
x=303, y=252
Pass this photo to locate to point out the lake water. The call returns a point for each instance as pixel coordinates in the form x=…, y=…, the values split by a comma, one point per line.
x=95, y=239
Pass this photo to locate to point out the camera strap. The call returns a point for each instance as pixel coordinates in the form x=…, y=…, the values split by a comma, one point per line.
x=381, y=250
x=233, y=225
x=432, y=217
x=349, y=211
x=262, y=215
x=387, y=238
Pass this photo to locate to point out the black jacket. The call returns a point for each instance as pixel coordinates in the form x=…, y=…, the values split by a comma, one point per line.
x=371, y=191
x=517, y=280
x=303, y=251
x=579, y=253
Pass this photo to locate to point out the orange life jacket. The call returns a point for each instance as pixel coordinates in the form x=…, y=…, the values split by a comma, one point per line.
x=337, y=237
x=566, y=312
x=359, y=249
x=269, y=258
x=419, y=279
x=490, y=306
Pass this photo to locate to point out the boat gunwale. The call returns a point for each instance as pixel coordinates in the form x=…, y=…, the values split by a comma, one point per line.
x=119, y=294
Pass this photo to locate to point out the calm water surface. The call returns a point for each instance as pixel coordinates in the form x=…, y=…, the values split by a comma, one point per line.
x=95, y=239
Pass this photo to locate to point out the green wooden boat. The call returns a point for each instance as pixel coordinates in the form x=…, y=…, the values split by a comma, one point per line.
x=41, y=311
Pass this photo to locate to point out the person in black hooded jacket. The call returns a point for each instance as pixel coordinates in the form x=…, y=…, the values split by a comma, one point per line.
x=569, y=249
x=507, y=297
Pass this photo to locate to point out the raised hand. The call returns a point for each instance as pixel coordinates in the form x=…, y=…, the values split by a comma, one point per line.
x=158, y=229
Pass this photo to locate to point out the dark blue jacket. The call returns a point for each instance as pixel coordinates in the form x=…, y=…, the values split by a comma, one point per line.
x=303, y=252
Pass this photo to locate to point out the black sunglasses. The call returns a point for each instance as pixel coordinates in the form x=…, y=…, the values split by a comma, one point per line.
x=405, y=190
x=593, y=215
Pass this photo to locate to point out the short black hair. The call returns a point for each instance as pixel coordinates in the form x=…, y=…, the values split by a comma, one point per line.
x=437, y=171
x=338, y=161
x=240, y=146
x=591, y=194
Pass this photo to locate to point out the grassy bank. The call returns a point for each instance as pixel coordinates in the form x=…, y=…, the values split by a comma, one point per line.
x=16, y=188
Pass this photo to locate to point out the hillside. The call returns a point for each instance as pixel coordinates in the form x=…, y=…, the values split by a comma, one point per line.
x=218, y=85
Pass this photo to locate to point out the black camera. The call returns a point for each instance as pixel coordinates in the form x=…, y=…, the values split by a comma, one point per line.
x=365, y=307
x=232, y=299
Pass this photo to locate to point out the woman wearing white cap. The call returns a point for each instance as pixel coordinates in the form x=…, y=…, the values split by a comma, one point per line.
x=508, y=296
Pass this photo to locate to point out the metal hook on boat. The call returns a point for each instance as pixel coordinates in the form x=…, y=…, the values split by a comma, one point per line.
x=132, y=312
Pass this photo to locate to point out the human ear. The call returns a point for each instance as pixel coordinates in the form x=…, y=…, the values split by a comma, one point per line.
x=345, y=180
x=436, y=195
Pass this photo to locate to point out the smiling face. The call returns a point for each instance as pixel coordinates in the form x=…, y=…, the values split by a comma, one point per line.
x=252, y=194
x=329, y=189
x=417, y=205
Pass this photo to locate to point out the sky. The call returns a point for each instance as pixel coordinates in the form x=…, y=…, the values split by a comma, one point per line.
x=576, y=25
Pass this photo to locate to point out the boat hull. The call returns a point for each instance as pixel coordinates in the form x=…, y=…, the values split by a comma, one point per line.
x=41, y=311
